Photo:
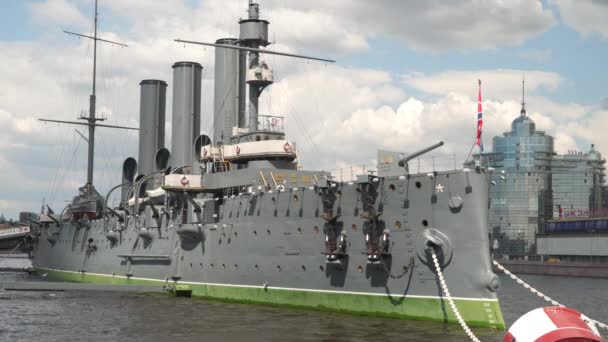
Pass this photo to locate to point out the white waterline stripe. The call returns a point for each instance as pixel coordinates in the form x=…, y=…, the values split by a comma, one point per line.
x=269, y=287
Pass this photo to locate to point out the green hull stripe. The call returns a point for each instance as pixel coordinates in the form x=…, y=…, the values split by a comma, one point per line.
x=477, y=313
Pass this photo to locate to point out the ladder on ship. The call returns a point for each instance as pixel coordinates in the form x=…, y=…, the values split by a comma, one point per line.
x=220, y=164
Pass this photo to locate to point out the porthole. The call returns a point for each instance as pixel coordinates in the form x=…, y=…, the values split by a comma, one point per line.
x=279, y=268
x=256, y=267
x=268, y=231
x=425, y=223
x=397, y=225
x=223, y=266
x=295, y=198
x=392, y=187
x=236, y=267
x=316, y=230
x=354, y=227
x=255, y=233
x=322, y=268
x=273, y=200
x=299, y=230
x=418, y=185
x=360, y=269
x=303, y=268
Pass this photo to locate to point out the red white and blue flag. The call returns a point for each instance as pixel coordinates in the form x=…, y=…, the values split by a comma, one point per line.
x=479, y=120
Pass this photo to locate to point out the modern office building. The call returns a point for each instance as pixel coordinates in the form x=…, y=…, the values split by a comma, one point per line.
x=520, y=200
x=578, y=180
x=533, y=185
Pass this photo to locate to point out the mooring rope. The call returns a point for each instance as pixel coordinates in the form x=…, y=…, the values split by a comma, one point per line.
x=446, y=291
x=542, y=295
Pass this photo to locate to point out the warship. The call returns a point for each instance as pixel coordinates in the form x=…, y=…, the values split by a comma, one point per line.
x=235, y=217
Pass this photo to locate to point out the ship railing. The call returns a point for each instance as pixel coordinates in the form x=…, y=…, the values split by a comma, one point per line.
x=424, y=164
x=271, y=123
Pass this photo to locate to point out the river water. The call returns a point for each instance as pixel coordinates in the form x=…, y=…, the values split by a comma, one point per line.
x=110, y=316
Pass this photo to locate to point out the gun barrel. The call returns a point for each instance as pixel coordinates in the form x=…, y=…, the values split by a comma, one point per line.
x=416, y=154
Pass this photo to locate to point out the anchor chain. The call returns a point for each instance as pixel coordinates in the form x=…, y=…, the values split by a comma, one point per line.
x=446, y=291
x=542, y=295
x=405, y=270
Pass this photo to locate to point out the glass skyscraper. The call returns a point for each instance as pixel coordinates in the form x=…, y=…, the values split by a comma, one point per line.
x=520, y=200
x=532, y=185
x=577, y=185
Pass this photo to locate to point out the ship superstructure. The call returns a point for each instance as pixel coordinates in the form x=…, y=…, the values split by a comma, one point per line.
x=236, y=217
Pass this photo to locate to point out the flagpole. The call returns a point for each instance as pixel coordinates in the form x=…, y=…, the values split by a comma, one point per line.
x=477, y=140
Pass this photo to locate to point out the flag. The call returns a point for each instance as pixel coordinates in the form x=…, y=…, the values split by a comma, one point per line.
x=479, y=120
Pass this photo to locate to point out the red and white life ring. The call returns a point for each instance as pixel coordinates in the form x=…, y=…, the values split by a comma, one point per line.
x=287, y=148
x=274, y=122
x=184, y=181
x=552, y=323
x=238, y=150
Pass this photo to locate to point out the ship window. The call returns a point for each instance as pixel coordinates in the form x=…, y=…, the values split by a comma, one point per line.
x=418, y=185
x=303, y=268
x=322, y=268
x=257, y=138
x=360, y=269
x=354, y=227
x=279, y=268
x=255, y=233
x=236, y=267
x=392, y=187
x=299, y=230
x=256, y=267
x=398, y=225
x=295, y=198
x=425, y=223
x=223, y=266
x=316, y=230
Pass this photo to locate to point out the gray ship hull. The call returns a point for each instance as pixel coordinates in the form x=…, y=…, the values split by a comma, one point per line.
x=268, y=247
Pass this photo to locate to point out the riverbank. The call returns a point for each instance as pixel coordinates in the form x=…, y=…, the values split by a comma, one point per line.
x=573, y=269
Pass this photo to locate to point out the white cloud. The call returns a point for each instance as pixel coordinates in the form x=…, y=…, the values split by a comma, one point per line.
x=585, y=16
x=61, y=12
x=498, y=84
x=431, y=25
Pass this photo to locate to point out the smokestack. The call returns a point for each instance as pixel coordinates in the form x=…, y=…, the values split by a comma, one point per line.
x=151, y=123
x=226, y=91
x=186, y=121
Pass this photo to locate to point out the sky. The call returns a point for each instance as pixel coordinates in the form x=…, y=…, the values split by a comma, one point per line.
x=406, y=76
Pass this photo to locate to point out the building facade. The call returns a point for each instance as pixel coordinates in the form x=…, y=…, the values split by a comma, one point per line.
x=521, y=198
x=578, y=180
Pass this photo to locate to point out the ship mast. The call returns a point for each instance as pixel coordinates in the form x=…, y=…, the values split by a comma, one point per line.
x=91, y=119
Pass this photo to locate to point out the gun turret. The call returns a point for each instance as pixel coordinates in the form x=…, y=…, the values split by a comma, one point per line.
x=403, y=162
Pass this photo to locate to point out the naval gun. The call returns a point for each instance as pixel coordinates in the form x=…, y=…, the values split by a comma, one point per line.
x=403, y=162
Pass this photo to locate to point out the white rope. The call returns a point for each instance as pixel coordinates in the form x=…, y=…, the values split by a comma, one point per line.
x=540, y=294
x=446, y=291
x=11, y=252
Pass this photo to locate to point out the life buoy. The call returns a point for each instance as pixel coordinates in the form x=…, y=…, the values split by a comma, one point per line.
x=274, y=122
x=184, y=181
x=287, y=148
x=553, y=323
x=238, y=150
